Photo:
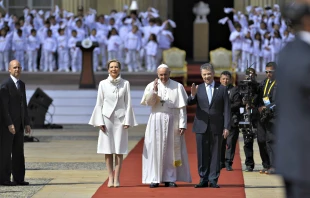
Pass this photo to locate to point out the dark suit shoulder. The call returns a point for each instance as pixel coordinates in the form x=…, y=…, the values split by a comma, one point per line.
x=263, y=82
x=201, y=85
x=292, y=46
x=221, y=87
x=5, y=82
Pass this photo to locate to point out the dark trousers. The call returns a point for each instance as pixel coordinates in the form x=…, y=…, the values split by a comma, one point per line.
x=270, y=142
x=229, y=147
x=295, y=189
x=248, y=150
x=209, y=156
x=262, y=145
x=12, y=155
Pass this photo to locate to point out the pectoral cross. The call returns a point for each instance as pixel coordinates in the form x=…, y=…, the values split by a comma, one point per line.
x=162, y=102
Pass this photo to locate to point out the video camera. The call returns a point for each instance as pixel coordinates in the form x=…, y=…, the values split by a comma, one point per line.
x=248, y=90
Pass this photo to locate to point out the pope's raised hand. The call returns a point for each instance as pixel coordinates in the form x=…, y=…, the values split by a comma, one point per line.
x=156, y=84
x=194, y=89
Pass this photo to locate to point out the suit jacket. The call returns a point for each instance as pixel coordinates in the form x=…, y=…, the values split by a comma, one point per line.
x=293, y=102
x=14, y=104
x=234, y=98
x=113, y=98
x=215, y=115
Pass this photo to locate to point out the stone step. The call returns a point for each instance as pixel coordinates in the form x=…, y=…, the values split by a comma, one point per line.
x=76, y=106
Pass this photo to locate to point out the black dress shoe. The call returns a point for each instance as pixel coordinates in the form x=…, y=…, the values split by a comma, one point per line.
x=202, y=185
x=170, y=184
x=22, y=183
x=229, y=168
x=154, y=185
x=212, y=185
x=9, y=183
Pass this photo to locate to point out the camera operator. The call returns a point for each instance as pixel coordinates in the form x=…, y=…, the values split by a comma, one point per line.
x=248, y=90
x=229, y=144
x=265, y=133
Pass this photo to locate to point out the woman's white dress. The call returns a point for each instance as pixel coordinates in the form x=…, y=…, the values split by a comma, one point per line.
x=113, y=109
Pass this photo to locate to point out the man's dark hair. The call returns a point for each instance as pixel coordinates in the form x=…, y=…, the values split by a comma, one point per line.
x=226, y=73
x=272, y=64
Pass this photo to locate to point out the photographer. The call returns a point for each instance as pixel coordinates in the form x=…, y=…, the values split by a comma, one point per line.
x=229, y=144
x=266, y=107
x=248, y=89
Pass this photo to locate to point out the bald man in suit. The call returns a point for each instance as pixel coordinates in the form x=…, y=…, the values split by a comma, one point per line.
x=15, y=117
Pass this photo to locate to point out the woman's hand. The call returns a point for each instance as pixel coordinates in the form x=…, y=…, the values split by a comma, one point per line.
x=126, y=126
x=102, y=128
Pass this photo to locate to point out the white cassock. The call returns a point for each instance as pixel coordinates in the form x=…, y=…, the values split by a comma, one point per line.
x=164, y=153
x=113, y=109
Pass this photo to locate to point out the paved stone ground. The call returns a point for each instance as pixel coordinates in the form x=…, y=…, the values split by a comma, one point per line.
x=65, y=164
x=260, y=185
x=24, y=191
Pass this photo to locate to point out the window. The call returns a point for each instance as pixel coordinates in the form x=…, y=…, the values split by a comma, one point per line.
x=17, y=6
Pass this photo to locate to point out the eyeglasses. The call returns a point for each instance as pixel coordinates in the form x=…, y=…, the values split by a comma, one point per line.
x=269, y=72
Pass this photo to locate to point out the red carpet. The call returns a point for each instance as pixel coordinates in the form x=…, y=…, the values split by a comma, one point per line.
x=232, y=184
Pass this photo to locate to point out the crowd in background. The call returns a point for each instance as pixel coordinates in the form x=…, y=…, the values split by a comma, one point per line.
x=46, y=41
x=257, y=36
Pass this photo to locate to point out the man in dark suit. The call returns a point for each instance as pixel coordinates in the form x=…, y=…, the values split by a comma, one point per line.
x=265, y=130
x=229, y=144
x=16, y=121
x=293, y=94
x=211, y=124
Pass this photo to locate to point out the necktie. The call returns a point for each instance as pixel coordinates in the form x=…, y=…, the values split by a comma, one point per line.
x=209, y=92
x=17, y=84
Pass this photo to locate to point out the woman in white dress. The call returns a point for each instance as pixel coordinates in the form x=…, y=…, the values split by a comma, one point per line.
x=113, y=114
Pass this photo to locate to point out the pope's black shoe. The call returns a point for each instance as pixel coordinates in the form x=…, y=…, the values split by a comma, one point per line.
x=154, y=185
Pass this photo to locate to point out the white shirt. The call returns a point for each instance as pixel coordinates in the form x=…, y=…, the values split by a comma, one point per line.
x=33, y=43
x=151, y=48
x=236, y=40
x=15, y=81
x=305, y=36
